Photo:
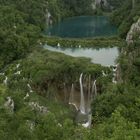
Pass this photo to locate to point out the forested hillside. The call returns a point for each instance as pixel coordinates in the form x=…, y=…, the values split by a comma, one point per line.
x=33, y=80
x=124, y=16
x=22, y=22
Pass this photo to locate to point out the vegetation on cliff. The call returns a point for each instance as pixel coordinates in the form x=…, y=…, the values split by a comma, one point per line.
x=31, y=77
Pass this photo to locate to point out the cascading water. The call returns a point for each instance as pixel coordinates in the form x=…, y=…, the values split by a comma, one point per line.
x=17, y=73
x=27, y=95
x=82, y=101
x=88, y=123
x=5, y=80
x=17, y=66
x=90, y=90
x=94, y=89
x=58, y=45
x=104, y=74
x=48, y=18
x=71, y=99
x=89, y=94
x=114, y=69
x=30, y=89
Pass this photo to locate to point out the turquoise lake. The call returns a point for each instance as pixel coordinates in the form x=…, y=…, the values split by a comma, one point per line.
x=83, y=27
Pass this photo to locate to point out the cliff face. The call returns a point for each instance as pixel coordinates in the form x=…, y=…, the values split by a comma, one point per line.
x=98, y=3
x=134, y=33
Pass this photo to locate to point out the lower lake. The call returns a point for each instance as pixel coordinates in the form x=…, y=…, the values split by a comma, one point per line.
x=103, y=56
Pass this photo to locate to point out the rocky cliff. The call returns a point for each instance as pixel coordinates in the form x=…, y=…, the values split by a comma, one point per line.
x=134, y=33
x=100, y=3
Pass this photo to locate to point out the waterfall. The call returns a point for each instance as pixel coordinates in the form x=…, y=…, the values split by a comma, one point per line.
x=48, y=18
x=58, y=44
x=104, y=74
x=114, y=69
x=82, y=101
x=94, y=89
x=30, y=89
x=89, y=94
x=5, y=80
x=88, y=123
x=71, y=99
x=17, y=66
x=27, y=95
x=17, y=73
x=79, y=46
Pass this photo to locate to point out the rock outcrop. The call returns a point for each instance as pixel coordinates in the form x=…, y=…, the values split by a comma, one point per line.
x=134, y=31
x=9, y=104
x=99, y=3
x=48, y=18
x=35, y=106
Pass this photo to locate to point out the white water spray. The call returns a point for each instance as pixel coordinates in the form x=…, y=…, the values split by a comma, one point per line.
x=88, y=123
x=89, y=95
x=73, y=104
x=104, y=74
x=5, y=80
x=17, y=73
x=94, y=89
x=58, y=45
x=17, y=66
x=2, y=74
x=30, y=88
x=114, y=69
x=82, y=101
x=27, y=95
x=71, y=99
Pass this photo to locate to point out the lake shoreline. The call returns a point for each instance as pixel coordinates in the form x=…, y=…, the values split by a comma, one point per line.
x=102, y=56
x=97, y=42
x=82, y=27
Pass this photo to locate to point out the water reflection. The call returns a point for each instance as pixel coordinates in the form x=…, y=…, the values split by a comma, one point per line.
x=103, y=56
x=83, y=26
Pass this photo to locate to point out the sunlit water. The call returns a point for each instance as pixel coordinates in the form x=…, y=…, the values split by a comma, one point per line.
x=103, y=56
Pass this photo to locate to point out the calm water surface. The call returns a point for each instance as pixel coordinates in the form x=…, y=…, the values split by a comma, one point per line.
x=83, y=26
x=103, y=56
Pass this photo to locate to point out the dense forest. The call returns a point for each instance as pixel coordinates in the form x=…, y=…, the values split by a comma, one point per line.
x=32, y=78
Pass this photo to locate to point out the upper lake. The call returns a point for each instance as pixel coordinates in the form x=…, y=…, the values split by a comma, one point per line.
x=82, y=27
